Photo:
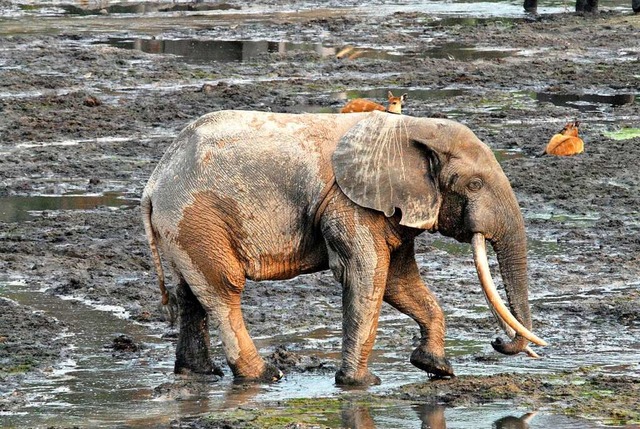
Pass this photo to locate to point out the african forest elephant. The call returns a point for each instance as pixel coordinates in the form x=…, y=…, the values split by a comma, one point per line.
x=590, y=6
x=264, y=196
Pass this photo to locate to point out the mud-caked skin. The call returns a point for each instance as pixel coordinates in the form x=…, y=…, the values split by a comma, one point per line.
x=361, y=379
x=263, y=196
x=192, y=350
x=435, y=366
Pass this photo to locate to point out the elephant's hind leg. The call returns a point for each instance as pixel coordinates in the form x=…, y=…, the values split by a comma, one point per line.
x=192, y=350
x=407, y=292
x=242, y=354
x=220, y=291
x=217, y=277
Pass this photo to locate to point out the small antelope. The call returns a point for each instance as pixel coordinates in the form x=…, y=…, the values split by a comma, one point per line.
x=566, y=142
x=361, y=105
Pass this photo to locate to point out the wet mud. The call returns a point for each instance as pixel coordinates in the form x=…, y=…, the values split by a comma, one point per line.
x=90, y=99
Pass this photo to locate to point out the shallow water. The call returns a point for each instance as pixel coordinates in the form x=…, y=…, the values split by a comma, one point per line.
x=588, y=103
x=201, y=51
x=23, y=208
x=98, y=387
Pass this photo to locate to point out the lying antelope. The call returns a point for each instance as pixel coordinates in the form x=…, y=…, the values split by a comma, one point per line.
x=361, y=105
x=566, y=142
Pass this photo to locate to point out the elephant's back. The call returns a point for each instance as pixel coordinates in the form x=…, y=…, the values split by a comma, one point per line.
x=244, y=157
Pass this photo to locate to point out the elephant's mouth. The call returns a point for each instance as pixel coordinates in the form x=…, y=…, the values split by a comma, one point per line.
x=506, y=320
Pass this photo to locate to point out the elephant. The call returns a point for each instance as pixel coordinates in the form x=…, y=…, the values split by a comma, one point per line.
x=268, y=196
x=582, y=6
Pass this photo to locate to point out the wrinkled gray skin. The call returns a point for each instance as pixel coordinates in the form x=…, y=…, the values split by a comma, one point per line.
x=252, y=195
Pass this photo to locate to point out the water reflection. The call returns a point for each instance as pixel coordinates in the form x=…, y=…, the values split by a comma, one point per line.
x=102, y=8
x=586, y=102
x=22, y=208
x=430, y=416
x=507, y=154
x=512, y=422
x=357, y=416
x=202, y=51
x=463, y=52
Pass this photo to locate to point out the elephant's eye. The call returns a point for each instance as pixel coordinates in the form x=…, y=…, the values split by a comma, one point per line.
x=475, y=184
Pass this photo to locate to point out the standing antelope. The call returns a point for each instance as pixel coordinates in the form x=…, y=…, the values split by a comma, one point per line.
x=361, y=105
x=566, y=142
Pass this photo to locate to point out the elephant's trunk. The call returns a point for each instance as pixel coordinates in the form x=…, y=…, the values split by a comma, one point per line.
x=517, y=321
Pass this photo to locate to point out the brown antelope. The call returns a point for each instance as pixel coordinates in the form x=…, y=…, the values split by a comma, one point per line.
x=361, y=105
x=566, y=142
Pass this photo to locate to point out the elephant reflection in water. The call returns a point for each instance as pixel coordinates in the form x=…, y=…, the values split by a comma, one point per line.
x=512, y=422
x=432, y=416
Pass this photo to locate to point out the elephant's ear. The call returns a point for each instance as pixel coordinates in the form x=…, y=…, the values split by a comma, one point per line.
x=378, y=166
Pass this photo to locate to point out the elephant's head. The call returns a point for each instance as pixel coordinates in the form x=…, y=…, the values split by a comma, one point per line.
x=441, y=177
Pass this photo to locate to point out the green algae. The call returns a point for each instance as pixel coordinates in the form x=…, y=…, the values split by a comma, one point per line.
x=302, y=412
x=623, y=134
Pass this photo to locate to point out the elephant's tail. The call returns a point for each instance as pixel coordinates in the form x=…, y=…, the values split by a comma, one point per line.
x=145, y=205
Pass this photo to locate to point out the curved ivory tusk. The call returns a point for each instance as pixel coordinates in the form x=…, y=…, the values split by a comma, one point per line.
x=508, y=329
x=491, y=293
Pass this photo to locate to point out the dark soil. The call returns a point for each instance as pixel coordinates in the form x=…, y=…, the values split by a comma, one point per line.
x=122, y=108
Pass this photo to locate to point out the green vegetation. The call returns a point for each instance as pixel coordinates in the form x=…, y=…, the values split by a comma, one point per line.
x=623, y=134
x=302, y=412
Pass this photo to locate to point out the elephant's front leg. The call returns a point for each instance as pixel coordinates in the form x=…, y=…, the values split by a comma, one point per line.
x=407, y=292
x=359, y=259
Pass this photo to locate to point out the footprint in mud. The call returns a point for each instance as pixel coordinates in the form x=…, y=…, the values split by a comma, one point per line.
x=288, y=361
x=123, y=343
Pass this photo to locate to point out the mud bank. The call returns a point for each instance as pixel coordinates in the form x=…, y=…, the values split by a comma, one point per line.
x=89, y=103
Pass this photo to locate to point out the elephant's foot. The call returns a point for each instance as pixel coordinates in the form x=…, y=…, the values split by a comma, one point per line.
x=192, y=356
x=436, y=366
x=268, y=374
x=531, y=6
x=208, y=368
x=367, y=379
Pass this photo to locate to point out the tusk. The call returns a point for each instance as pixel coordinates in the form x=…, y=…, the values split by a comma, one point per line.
x=491, y=293
x=508, y=329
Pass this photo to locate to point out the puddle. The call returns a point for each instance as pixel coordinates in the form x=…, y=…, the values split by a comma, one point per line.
x=144, y=8
x=586, y=103
x=576, y=220
x=25, y=208
x=535, y=247
x=203, y=51
x=196, y=51
x=461, y=52
x=507, y=154
x=77, y=390
x=457, y=51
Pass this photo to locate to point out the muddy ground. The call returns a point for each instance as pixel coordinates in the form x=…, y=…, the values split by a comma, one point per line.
x=78, y=115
